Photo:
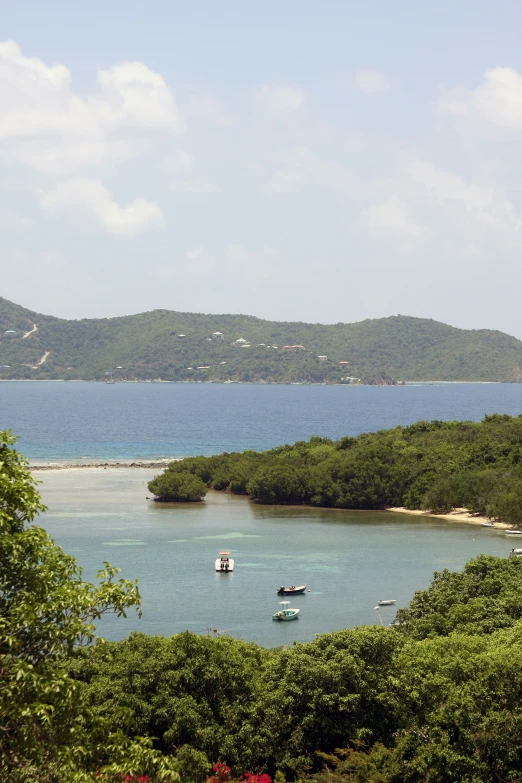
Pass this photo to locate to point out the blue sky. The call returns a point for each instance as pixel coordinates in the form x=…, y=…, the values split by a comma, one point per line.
x=328, y=162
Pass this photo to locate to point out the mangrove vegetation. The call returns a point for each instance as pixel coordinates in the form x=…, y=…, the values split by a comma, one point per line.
x=431, y=465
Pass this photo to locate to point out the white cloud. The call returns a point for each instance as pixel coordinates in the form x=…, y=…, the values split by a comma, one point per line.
x=277, y=98
x=487, y=204
x=371, y=81
x=62, y=159
x=300, y=167
x=92, y=196
x=180, y=167
x=392, y=215
x=498, y=99
x=63, y=130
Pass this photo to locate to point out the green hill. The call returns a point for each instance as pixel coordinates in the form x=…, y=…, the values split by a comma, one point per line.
x=148, y=346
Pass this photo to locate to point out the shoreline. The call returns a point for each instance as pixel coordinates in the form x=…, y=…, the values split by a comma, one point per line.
x=110, y=464
x=457, y=515
x=258, y=383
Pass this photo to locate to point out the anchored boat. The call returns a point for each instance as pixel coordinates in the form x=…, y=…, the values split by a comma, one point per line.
x=285, y=613
x=387, y=602
x=291, y=590
x=224, y=563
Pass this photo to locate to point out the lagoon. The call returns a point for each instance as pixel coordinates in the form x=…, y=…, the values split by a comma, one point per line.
x=349, y=559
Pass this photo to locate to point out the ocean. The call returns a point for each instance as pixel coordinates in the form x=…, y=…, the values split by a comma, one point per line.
x=77, y=422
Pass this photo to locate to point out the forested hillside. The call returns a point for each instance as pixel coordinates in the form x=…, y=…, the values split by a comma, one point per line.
x=185, y=347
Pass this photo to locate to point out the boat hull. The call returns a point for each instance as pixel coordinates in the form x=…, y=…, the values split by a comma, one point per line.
x=224, y=567
x=291, y=590
x=286, y=615
x=389, y=602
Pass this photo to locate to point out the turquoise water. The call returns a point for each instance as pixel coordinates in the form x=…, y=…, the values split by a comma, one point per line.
x=96, y=421
x=349, y=559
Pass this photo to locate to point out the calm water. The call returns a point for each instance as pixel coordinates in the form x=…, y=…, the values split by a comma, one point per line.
x=71, y=421
x=349, y=559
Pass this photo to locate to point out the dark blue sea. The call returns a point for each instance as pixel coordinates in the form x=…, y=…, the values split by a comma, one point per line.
x=125, y=421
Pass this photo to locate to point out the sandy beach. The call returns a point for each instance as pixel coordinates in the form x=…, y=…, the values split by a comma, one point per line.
x=457, y=515
x=157, y=463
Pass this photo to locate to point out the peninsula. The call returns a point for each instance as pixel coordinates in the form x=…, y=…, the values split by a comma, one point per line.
x=434, y=466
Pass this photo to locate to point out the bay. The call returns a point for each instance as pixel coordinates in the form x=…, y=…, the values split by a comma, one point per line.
x=126, y=421
x=349, y=559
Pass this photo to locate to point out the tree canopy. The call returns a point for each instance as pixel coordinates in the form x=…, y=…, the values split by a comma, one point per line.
x=433, y=465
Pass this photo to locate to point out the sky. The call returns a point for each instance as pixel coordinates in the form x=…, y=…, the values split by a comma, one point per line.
x=325, y=161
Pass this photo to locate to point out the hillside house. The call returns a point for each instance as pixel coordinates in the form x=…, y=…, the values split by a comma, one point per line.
x=240, y=341
x=322, y=358
x=218, y=335
x=293, y=348
x=343, y=364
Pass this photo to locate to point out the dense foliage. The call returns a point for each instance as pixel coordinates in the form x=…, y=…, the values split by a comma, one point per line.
x=429, y=465
x=415, y=702
x=148, y=346
x=48, y=734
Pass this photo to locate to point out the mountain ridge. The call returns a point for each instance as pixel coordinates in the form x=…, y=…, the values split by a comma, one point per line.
x=148, y=346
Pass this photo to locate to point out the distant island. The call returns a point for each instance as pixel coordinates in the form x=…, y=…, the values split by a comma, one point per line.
x=163, y=345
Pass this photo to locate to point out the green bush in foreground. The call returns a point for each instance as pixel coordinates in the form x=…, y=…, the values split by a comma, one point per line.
x=48, y=732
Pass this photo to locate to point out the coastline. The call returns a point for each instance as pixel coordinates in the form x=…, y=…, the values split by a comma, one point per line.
x=255, y=383
x=457, y=515
x=135, y=465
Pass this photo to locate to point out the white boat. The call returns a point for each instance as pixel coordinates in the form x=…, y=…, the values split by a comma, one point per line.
x=516, y=553
x=285, y=613
x=387, y=602
x=487, y=524
x=513, y=532
x=224, y=563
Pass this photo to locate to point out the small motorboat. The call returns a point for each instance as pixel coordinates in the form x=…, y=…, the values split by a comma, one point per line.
x=291, y=590
x=487, y=524
x=513, y=532
x=387, y=602
x=285, y=613
x=224, y=563
x=516, y=553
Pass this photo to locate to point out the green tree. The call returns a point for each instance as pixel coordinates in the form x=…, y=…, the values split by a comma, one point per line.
x=47, y=613
x=170, y=487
